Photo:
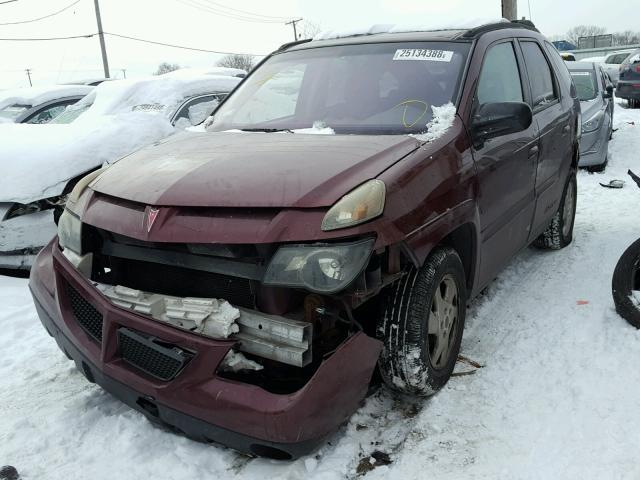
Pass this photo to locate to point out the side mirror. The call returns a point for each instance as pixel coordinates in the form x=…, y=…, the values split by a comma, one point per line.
x=608, y=93
x=496, y=119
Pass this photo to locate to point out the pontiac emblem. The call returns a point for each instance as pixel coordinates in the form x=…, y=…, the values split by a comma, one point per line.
x=151, y=217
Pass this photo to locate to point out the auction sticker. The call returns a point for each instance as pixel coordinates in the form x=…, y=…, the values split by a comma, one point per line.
x=423, y=54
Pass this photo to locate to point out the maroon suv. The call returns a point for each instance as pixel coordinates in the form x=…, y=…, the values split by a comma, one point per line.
x=337, y=213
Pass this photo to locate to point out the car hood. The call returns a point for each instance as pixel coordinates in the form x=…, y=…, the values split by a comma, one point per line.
x=228, y=169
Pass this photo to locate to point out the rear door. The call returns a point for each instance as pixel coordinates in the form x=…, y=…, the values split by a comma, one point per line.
x=554, y=126
x=506, y=165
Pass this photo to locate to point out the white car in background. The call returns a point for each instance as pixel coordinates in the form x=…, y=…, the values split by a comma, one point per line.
x=612, y=62
x=38, y=104
x=42, y=163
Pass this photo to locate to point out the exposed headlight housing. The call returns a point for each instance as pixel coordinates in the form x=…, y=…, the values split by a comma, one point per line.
x=319, y=268
x=359, y=206
x=70, y=232
x=593, y=123
x=20, y=209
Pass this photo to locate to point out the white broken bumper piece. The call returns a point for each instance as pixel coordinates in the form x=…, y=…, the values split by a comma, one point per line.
x=268, y=336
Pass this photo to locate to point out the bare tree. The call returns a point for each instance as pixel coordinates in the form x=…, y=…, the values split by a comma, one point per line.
x=627, y=37
x=309, y=29
x=165, y=67
x=584, y=31
x=236, y=60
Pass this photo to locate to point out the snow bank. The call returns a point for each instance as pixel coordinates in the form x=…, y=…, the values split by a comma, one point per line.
x=393, y=28
x=442, y=120
x=37, y=95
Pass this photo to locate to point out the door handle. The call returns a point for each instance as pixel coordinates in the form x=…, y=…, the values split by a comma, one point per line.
x=533, y=150
x=566, y=128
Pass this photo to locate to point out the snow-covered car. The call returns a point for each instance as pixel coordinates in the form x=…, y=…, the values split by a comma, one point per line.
x=42, y=163
x=336, y=213
x=38, y=104
x=595, y=92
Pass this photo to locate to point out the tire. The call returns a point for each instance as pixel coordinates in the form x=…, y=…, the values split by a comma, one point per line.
x=420, y=351
x=626, y=278
x=599, y=168
x=559, y=233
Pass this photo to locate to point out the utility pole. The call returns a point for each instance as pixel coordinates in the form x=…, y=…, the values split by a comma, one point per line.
x=105, y=63
x=124, y=72
x=28, y=70
x=510, y=9
x=293, y=22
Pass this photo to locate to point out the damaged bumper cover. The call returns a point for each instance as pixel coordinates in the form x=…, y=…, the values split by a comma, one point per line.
x=22, y=237
x=197, y=401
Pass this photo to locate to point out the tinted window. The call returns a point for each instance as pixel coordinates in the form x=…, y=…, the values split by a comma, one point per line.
x=539, y=72
x=560, y=66
x=500, y=77
x=356, y=89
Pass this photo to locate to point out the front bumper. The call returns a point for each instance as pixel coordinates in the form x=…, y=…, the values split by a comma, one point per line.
x=594, y=147
x=21, y=238
x=197, y=402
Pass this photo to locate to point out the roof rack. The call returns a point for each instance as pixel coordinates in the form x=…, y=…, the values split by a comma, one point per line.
x=525, y=24
x=285, y=46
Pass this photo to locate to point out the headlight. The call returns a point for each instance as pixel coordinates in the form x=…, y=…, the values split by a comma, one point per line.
x=593, y=123
x=361, y=205
x=322, y=269
x=70, y=232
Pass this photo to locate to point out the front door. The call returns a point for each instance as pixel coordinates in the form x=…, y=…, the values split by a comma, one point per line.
x=506, y=165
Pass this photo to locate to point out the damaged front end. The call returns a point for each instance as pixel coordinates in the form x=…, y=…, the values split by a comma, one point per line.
x=268, y=347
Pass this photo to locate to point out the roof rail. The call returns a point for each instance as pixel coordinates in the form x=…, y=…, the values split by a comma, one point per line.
x=524, y=24
x=285, y=46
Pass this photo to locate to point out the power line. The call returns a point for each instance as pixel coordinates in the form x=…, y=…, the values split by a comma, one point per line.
x=43, y=17
x=209, y=9
x=276, y=18
x=89, y=35
x=171, y=45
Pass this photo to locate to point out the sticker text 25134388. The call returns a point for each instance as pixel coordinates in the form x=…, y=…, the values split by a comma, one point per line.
x=423, y=54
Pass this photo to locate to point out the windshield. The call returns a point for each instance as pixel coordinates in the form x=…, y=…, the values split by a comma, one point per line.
x=586, y=84
x=385, y=88
x=13, y=111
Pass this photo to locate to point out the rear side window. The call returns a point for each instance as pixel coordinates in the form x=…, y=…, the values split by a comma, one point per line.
x=540, y=75
x=560, y=67
x=500, y=76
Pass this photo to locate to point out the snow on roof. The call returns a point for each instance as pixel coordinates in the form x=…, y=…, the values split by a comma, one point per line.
x=162, y=93
x=38, y=95
x=393, y=28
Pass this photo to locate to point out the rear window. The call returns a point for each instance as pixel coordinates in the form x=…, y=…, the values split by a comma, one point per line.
x=586, y=84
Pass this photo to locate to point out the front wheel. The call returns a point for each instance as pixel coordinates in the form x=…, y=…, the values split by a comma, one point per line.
x=422, y=324
x=626, y=279
x=559, y=233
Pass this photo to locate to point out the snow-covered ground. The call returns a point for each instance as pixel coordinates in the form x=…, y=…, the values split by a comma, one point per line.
x=555, y=398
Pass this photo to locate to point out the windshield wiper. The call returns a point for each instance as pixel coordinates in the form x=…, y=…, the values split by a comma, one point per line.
x=267, y=130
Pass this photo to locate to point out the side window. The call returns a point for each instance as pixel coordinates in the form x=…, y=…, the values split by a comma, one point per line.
x=560, y=65
x=540, y=76
x=196, y=110
x=49, y=113
x=500, y=77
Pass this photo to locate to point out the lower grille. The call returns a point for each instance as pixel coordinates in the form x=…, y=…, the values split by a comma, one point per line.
x=152, y=356
x=86, y=315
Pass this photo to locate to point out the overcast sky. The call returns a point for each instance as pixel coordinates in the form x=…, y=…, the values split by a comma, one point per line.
x=198, y=23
